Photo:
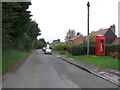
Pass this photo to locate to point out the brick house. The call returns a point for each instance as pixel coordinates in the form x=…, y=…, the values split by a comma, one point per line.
x=109, y=33
x=77, y=39
x=56, y=41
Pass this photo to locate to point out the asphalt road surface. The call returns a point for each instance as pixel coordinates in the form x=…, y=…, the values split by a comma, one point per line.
x=48, y=71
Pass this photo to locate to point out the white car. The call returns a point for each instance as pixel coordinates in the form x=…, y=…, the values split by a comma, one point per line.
x=48, y=51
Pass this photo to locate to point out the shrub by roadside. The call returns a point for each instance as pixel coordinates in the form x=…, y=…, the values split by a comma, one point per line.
x=81, y=49
x=61, y=46
x=113, y=49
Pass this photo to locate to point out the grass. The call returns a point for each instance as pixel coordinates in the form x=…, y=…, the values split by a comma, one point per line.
x=10, y=58
x=60, y=52
x=100, y=61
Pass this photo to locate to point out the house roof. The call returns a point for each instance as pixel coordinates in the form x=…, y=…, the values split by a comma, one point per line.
x=116, y=41
x=75, y=37
x=100, y=32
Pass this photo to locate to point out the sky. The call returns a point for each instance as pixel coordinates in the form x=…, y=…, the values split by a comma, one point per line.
x=56, y=17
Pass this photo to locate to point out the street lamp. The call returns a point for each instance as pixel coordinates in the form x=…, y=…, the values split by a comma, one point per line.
x=88, y=5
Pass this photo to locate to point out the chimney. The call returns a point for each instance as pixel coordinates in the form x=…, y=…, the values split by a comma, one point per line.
x=112, y=27
x=78, y=33
x=100, y=29
x=58, y=40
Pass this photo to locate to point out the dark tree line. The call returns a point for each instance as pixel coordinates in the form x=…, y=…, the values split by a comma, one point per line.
x=18, y=30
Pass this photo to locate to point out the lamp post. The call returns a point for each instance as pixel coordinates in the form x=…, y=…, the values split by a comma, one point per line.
x=88, y=5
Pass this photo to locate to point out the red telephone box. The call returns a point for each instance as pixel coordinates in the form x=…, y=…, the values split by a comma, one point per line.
x=100, y=45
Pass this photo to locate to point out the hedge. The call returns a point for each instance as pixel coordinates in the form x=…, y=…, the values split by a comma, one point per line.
x=61, y=46
x=113, y=48
x=79, y=49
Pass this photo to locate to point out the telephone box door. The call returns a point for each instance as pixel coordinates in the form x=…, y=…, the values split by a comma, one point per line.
x=100, y=45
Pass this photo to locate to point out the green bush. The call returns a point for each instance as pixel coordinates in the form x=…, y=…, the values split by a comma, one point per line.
x=92, y=49
x=80, y=49
x=61, y=46
x=113, y=48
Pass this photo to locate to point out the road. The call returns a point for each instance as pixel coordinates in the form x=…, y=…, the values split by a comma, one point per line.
x=48, y=71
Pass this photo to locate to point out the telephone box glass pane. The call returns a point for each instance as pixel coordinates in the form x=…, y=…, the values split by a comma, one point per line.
x=102, y=46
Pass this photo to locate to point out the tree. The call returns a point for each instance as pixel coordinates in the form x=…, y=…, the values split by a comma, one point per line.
x=40, y=43
x=92, y=40
x=31, y=35
x=14, y=18
x=19, y=31
x=8, y=17
x=70, y=34
x=63, y=46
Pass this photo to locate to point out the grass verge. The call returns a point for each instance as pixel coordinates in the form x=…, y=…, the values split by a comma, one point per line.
x=10, y=58
x=60, y=52
x=100, y=61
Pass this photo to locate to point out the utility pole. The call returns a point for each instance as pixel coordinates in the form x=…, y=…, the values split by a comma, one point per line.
x=88, y=5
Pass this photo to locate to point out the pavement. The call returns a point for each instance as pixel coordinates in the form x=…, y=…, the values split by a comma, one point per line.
x=112, y=76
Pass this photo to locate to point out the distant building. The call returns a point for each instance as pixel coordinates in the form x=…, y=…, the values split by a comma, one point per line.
x=77, y=39
x=109, y=33
x=116, y=41
x=54, y=42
